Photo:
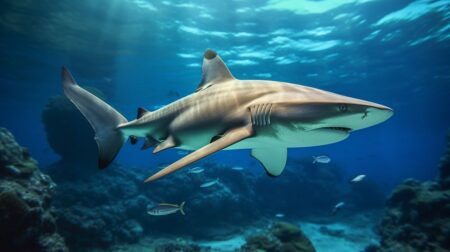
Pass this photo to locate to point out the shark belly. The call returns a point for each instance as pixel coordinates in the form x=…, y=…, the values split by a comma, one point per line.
x=284, y=136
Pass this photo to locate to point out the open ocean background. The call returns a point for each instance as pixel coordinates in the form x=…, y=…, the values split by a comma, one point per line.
x=149, y=54
x=143, y=53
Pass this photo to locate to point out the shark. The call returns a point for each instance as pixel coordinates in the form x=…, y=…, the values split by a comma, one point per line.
x=226, y=113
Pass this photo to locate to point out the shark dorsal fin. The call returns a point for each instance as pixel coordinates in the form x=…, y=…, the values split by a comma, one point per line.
x=214, y=70
x=141, y=112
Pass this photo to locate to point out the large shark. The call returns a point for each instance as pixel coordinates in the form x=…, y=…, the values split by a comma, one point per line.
x=227, y=113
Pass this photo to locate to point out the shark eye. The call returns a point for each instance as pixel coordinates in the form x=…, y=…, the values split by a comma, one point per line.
x=343, y=107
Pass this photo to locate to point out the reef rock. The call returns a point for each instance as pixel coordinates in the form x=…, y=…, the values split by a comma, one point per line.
x=110, y=206
x=210, y=212
x=281, y=237
x=27, y=221
x=101, y=209
x=417, y=215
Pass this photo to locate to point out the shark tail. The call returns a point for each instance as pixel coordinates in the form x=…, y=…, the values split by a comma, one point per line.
x=182, y=208
x=103, y=118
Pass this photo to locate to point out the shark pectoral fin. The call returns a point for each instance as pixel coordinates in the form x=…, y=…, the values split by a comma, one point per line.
x=141, y=112
x=170, y=142
x=273, y=159
x=231, y=137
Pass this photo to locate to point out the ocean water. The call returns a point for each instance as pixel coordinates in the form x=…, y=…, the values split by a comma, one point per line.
x=142, y=53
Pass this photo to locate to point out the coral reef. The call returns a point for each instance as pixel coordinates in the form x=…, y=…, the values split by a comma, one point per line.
x=26, y=216
x=178, y=245
x=281, y=237
x=101, y=209
x=417, y=215
x=109, y=207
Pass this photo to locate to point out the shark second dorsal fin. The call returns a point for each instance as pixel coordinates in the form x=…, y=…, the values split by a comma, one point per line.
x=214, y=70
x=141, y=112
x=149, y=142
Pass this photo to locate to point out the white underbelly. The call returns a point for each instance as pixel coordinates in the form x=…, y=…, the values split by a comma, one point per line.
x=273, y=136
x=291, y=138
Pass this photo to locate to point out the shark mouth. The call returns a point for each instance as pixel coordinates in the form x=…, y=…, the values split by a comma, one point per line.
x=344, y=129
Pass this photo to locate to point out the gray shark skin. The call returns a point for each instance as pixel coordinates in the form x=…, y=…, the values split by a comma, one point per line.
x=226, y=113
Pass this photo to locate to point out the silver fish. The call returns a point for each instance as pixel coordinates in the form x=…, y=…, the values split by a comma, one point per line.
x=166, y=209
x=237, y=168
x=210, y=183
x=337, y=207
x=321, y=159
x=196, y=170
x=358, y=178
x=279, y=215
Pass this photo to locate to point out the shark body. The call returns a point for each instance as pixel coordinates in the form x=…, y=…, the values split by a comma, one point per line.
x=226, y=113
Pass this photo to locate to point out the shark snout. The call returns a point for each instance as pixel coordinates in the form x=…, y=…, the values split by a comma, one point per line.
x=366, y=115
x=375, y=115
x=348, y=117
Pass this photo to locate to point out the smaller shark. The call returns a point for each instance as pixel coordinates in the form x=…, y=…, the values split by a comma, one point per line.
x=267, y=117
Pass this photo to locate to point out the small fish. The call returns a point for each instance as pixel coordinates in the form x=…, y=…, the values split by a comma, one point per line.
x=337, y=207
x=358, y=178
x=237, y=168
x=166, y=209
x=279, y=215
x=210, y=183
x=321, y=159
x=196, y=170
x=12, y=170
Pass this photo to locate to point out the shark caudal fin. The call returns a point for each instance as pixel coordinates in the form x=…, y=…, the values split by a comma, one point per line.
x=103, y=118
x=182, y=208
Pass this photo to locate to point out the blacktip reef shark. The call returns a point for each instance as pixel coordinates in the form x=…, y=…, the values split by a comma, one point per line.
x=267, y=117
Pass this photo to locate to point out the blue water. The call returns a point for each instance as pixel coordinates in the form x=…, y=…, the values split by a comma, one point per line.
x=149, y=53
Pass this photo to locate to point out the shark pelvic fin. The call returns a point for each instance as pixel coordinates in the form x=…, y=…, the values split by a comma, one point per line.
x=273, y=159
x=231, y=137
x=149, y=142
x=214, y=70
x=170, y=142
x=133, y=140
x=141, y=112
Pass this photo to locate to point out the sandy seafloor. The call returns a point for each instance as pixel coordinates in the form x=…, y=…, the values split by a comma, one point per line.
x=358, y=233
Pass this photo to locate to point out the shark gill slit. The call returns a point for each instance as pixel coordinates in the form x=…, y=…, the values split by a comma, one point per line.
x=266, y=114
x=269, y=113
x=260, y=114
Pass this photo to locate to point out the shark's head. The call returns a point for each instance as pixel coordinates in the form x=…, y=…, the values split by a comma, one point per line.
x=342, y=116
x=329, y=117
